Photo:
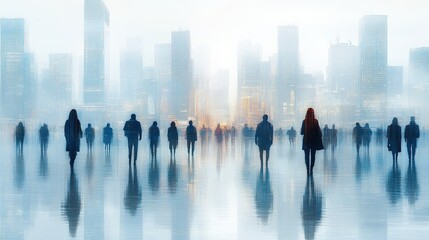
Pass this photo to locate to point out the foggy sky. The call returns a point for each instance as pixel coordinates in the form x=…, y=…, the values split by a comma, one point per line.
x=57, y=26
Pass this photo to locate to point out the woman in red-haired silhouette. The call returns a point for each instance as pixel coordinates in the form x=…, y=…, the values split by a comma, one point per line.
x=312, y=139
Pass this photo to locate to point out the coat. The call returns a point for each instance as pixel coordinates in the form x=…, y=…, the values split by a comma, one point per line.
x=394, y=138
x=191, y=133
x=411, y=133
x=73, y=134
x=107, y=135
x=173, y=136
x=264, y=135
x=133, y=129
x=312, y=138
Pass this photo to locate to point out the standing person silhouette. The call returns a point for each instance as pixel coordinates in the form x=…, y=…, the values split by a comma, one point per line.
x=191, y=137
x=89, y=135
x=133, y=132
x=394, y=136
x=412, y=132
x=173, y=139
x=153, y=138
x=291, y=133
x=44, y=138
x=264, y=139
x=233, y=135
x=219, y=135
x=107, y=137
x=203, y=135
x=357, y=136
x=312, y=140
x=73, y=134
x=366, y=136
x=334, y=138
x=19, y=137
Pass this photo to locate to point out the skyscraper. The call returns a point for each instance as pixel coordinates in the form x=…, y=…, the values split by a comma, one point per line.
x=418, y=91
x=182, y=98
x=96, y=26
x=394, y=83
x=14, y=85
x=162, y=71
x=131, y=72
x=288, y=73
x=373, y=67
x=60, y=79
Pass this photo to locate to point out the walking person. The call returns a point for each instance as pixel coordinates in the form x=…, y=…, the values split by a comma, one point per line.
x=203, y=135
x=107, y=137
x=233, y=135
x=264, y=139
x=326, y=136
x=19, y=138
x=191, y=137
x=394, y=138
x=411, y=134
x=334, y=138
x=291, y=133
x=173, y=139
x=357, y=136
x=153, y=138
x=219, y=135
x=43, y=138
x=312, y=139
x=89, y=135
x=133, y=132
x=366, y=136
x=73, y=134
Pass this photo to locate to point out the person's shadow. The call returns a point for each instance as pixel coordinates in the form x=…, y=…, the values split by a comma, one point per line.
x=154, y=176
x=312, y=203
x=263, y=195
x=393, y=184
x=19, y=171
x=43, y=166
x=71, y=206
x=133, y=193
x=412, y=183
x=173, y=176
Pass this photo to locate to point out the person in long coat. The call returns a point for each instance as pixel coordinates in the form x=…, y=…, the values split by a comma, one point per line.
x=394, y=137
x=73, y=134
x=312, y=140
x=107, y=137
x=173, y=139
x=264, y=138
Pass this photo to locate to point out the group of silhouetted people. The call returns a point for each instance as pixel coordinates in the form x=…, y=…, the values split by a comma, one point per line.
x=394, y=138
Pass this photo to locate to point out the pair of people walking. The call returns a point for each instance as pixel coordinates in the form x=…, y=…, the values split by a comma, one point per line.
x=394, y=138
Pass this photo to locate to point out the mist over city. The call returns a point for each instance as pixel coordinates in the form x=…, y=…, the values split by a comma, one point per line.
x=228, y=81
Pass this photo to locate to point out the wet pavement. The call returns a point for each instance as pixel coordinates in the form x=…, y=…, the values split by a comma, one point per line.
x=221, y=193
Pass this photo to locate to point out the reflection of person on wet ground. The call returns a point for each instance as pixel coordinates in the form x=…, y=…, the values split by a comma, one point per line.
x=173, y=139
x=172, y=176
x=133, y=193
x=71, y=207
x=263, y=195
x=412, y=183
x=73, y=134
x=312, y=203
x=393, y=185
x=394, y=137
x=264, y=139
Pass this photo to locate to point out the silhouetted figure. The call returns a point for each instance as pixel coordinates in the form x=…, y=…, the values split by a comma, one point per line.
x=394, y=137
x=412, y=184
x=219, y=135
x=73, y=134
x=226, y=135
x=71, y=207
x=333, y=138
x=233, y=131
x=312, y=140
x=191, y=137
x=411, y=134
x=357, y=136
x=173, y=139
x=133, y=132
x=19, y=137
x=133, y=194
x=153, y=138
x=393, y=184
x=326, y=132
x=246, y=135
x=107, y=137
x=203, y=134
x=89, y=136
x=312, y=203
x=209, y=135
x=379, y=136
x=44, y=138
x=291, y=133
x=264, y=139
x=263, y=195
x=366, y=136
x=278, y=133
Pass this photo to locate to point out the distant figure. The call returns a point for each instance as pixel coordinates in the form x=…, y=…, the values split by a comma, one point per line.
x=19, y=137
x=203, y=134
x=44, y=138
x=379, y=136
x=334, y=138
x=173, y=139
x=73, y=134
x=326, y=132
x=209, y=134
x=107, y=137
x=412, y=132
x=246, y=134
x=153, y=138
x=89, y=135
x=219, y=135
x=394, y=138
x=278, y=133
x=357, y=136
x=133, y=132
x=291, y=133
x=233, y=135
x=264, y=138
x=226, y=135
x=191, y=137
x=366, y=136
x=312, y=139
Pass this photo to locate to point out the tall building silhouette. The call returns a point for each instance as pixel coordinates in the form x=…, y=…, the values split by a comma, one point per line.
x=373, y=67
x=418, y=90
x=182, y=98
x=96, y=28
x=60, y=79
x=131, y=72
x=18, y=72
x=288, y=73
x=162, y=72
x=394, y=83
